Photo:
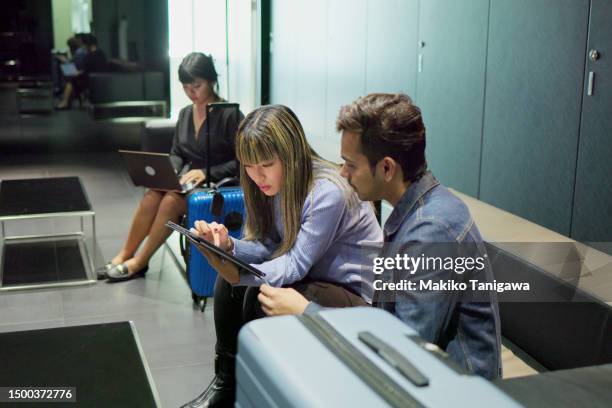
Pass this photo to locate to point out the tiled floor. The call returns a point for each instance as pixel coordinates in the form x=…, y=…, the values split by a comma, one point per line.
x=177, y=340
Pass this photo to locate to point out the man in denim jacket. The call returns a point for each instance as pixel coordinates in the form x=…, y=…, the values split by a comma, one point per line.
x=383, y=146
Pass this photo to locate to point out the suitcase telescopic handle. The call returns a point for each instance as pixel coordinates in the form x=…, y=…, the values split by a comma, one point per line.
x=394, y=358
x=227, y=180
x=209, y=108
x=216, y=207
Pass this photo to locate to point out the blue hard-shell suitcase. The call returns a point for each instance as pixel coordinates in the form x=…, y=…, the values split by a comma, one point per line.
x=351, y=357
x=224, y=206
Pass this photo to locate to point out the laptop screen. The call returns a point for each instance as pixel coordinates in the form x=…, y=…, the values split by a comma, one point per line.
x=151, y=170
x=69, y=69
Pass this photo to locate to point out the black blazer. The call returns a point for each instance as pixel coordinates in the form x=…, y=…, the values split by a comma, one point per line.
x=187, y=153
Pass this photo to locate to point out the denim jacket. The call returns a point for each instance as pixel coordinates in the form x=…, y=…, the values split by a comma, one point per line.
x=428, y=214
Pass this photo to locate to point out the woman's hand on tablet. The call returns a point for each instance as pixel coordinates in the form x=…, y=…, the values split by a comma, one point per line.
x=281, y=301
x=214, y=233
x=217, y=234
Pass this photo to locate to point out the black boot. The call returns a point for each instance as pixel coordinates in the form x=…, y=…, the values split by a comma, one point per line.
x=221, y=392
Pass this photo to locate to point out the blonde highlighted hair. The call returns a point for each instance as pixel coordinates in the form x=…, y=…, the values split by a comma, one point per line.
x=275, y=131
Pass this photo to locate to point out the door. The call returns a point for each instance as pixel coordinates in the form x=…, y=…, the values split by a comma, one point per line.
x=535, y=72
x=450, y=87
x=592, y=215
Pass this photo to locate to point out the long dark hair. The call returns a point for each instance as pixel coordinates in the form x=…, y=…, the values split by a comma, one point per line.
x=275, y=130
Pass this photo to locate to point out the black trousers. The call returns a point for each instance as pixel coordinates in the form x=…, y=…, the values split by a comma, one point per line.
x=237, y=305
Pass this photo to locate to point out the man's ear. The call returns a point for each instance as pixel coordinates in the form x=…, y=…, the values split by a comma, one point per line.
x=388, y=168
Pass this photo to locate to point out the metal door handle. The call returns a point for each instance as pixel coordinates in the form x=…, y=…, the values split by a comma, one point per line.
x=590, y=85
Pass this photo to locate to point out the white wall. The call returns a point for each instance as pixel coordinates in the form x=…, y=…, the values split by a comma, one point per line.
x=200, y=25
x=62, y=23
x=81, y=16
x=69, y=17
x=385, y=211
x=243, y=50
x=326, y=53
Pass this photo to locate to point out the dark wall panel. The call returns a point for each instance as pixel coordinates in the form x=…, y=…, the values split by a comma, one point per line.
x=147, y=33
x=450, y=87
x=136, y=13
x=155, y=41
x=592, y=220
x=27, y=37
x=104, y=15
x=534, y=79
x=391, y=46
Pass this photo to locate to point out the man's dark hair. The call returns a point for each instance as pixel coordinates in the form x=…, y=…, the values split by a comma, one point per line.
x=89, y=40
x=388, y=125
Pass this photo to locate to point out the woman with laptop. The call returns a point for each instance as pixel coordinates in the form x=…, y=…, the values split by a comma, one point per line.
x=305, y=228
x=188, y=156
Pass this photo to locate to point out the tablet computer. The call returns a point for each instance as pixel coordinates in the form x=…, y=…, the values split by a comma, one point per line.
x=215, y=249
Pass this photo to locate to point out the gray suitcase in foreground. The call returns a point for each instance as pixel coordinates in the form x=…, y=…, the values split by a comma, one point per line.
x=288, y=362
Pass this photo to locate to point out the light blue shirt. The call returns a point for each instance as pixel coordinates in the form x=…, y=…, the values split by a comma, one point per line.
x=329, y=245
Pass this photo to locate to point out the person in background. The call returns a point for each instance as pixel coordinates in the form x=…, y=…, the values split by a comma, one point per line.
x=78, y=50
x=383, y=147
x=188, y=156
x=305, y=228
x=76, y=57
x=93, y=61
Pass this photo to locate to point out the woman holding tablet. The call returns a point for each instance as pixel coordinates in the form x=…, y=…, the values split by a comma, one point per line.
x=304, y=229
x=188, y=156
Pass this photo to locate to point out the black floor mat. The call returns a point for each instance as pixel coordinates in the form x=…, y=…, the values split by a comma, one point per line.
x=102, y=362
x=42, y=195
x=48, y=261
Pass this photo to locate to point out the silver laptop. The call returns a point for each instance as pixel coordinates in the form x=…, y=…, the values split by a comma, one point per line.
x=69, y=69
x=154, y=171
